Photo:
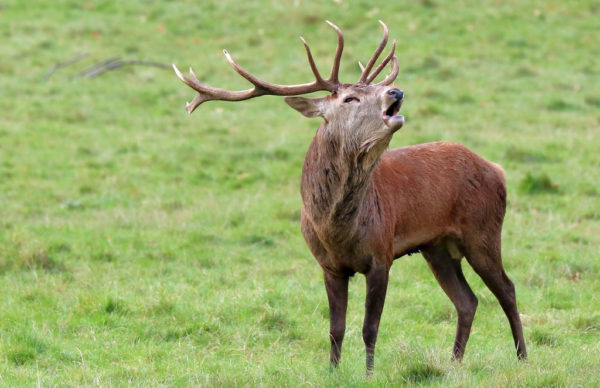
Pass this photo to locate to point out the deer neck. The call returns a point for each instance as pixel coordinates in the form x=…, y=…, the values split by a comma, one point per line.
x=336, y=183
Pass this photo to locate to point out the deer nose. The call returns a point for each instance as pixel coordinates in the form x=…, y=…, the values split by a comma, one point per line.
x=397, y=94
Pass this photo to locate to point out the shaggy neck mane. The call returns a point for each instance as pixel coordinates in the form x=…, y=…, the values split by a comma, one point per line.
x=336, y=181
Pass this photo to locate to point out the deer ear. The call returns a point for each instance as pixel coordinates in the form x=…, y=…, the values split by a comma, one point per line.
x=309, y=107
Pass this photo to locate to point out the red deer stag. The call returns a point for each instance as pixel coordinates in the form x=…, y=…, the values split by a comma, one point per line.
x=365, y=206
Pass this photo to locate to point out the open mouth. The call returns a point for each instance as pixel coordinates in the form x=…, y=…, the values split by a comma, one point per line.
x=391, y=118
x=393, y=109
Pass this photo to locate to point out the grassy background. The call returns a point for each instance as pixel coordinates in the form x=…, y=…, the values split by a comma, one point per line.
x=143, y=247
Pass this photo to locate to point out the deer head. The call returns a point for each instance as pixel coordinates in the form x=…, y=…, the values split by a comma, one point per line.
x=361, y=116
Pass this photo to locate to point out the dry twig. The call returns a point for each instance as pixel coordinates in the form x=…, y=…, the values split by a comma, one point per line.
x=66, y=63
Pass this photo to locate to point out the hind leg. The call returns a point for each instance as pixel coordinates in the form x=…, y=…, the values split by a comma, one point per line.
x=486, y=260
x=449, y=275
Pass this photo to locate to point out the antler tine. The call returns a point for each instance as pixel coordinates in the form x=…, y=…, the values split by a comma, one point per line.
x=194, y=75
x=334, y=77
x=257, y=82
x=382, y=64
x=392, y=76
x=311, y=61
x=378, y=51
x=362, y=67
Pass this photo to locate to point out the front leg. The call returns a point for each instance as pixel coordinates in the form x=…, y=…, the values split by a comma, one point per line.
x=337, y=294
x=377, y=281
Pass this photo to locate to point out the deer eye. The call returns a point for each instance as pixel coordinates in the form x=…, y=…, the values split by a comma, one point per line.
x=350, y=99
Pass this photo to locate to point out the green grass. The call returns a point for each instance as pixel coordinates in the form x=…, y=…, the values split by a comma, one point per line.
x=143, y=247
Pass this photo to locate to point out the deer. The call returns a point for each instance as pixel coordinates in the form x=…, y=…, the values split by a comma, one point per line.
x=364, y=205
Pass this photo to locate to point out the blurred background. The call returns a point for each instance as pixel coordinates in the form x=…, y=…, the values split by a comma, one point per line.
x=142, y=246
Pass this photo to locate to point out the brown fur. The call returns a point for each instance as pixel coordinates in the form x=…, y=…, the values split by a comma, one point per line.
x=410, y=200
x=363, y=207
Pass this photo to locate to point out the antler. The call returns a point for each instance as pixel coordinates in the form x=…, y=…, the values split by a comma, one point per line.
x=365, y=78
x=261, y=88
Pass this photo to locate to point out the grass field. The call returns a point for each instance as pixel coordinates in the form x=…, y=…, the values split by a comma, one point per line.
x=140, y=246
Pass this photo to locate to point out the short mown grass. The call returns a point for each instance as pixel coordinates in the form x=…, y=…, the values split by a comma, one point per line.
x=143, y=247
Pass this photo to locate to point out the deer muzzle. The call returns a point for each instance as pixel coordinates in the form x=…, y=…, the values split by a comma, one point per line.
x=391, y=118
